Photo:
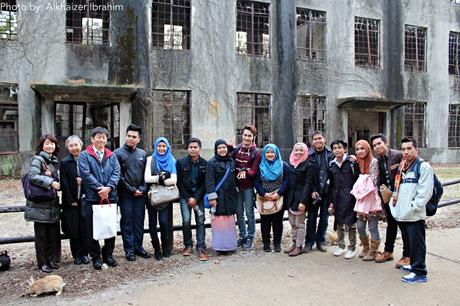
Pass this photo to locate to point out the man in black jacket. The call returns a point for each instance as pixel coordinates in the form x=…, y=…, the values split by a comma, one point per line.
x=131, y=193
x=321, y=157
x=389, y=160
x=191, y=171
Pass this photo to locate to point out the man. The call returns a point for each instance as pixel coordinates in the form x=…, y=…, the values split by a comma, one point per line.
x=413, y=189
x=247, y=160
x=191, y=172
x=100, y=173
x=389, y=161
x=321, y=157
x=131, y=193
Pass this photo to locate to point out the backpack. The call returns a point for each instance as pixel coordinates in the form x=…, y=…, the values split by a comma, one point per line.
x=432, y=205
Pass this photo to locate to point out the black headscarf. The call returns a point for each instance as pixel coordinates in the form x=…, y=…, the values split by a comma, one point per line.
x=217, y=156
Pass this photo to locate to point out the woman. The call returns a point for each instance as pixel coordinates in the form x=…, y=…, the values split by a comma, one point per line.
x=161, y=169
x=368, y=204
x=224, y=200
x=271, y=183
x=298, y=195
x=73, y=222
x=45, y=214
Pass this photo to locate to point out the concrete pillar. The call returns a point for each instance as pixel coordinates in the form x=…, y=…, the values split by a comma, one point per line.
x=284, y=86
x=47, y=110
x=125, y=119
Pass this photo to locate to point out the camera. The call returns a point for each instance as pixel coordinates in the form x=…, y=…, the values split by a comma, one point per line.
x=316, y=201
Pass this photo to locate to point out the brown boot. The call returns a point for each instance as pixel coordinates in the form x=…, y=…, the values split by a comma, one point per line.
x=290, y=249
x=296, y=252
x=383, y=257
x=372, y=251
x=365, y=244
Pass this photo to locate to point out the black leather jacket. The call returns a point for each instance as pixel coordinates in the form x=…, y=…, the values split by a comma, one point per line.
x=132, y=165
x=184, y=178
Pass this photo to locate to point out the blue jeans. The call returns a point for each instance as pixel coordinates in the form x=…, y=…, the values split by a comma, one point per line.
x=132, y=211
x=246, y=203
x=313, y=235
x=162, y=217
x=186, y=212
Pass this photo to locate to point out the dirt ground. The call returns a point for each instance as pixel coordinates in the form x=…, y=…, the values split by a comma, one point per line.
x=83, y=281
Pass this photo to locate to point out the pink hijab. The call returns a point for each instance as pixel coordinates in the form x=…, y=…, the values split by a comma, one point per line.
x=293, y=159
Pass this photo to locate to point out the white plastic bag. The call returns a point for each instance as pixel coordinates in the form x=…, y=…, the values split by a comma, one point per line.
x=104, y=221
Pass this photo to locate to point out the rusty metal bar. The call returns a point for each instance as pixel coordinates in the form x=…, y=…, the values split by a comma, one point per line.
x=30, y=238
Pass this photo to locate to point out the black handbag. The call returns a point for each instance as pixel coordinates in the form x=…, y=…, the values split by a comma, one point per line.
x=36, y=193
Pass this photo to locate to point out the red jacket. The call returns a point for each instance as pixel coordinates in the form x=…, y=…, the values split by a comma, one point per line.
x=246, y=159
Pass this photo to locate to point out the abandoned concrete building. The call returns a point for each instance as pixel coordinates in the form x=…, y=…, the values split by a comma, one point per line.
x=205, y=68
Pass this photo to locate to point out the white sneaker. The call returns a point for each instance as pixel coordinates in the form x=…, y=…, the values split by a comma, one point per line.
x=350, y=254
x=339, y=251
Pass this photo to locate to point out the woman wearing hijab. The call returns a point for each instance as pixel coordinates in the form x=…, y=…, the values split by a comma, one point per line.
x=160, y=169
x=368, y=204
x=224, y=200
x=271, y=183
x=298, y=195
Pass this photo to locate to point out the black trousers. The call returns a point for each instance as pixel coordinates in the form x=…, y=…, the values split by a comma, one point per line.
x=415, y=233
x=47, y=243
x=79, y=246
x=93, y=245
x=392, y=231
x=266, y=224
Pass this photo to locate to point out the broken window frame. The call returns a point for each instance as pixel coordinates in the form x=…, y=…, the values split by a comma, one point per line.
x=171, y=116
x=9, y=112
x=454, y=53
x=312, y=19
x=250, y=17
x=178, y=14
x=415, y=48
x=309, y=116
x=415, y=122
x=87, y=33
x=9, y=20
x=76, y=118
x=454, y=126
x=254, y=108
x=367, y=42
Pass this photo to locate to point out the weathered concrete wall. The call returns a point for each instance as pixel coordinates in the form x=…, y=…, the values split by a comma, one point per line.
x=214, y=74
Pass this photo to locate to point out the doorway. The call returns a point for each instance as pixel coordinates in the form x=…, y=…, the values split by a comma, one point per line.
x=80, y=118
x=364, y=124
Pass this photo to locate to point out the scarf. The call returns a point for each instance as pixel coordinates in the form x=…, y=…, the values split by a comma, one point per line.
x=165, y=162
x=403, y=167
x=293, y=159
x=217, y=156
x=271, y=170
x=364, y=163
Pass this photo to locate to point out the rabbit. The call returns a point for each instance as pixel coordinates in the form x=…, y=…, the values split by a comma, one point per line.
x=5, y=261
x=47, y=284
x=331, y=238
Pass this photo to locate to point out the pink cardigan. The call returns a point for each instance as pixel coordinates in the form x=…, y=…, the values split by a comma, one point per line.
x=367, y=198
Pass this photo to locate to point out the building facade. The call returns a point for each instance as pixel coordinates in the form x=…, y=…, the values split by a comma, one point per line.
x=205, y=68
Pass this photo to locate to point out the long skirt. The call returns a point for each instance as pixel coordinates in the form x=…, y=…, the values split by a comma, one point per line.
x=223, y=233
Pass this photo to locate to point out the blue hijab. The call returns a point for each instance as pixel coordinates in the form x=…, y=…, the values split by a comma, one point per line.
x=165, y=162
x=271, y=170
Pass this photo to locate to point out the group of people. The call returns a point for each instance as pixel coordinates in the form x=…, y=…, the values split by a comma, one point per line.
x=313, y=183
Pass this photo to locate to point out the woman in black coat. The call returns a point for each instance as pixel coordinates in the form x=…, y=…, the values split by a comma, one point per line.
x=45, y=213
x=73, y=222
x=298, y=195
x=223, y=201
